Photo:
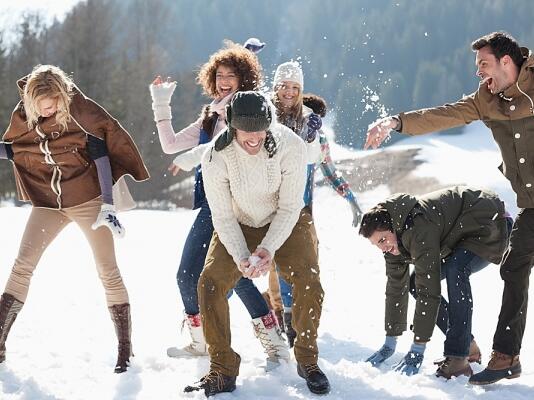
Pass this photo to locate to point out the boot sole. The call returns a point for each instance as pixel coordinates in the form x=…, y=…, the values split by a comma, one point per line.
x=489, y=382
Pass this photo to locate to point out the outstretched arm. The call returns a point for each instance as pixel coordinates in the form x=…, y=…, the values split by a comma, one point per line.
x=161, y=93
x=426, y=120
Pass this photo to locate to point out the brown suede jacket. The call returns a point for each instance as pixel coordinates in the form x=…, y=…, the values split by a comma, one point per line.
x=52, y=167
x=510, y=117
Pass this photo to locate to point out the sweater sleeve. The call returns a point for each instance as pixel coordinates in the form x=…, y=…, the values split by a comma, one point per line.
x=435, y=119
x=217, y=187
x=191, y=158
x=172, y=142
x=291, y=193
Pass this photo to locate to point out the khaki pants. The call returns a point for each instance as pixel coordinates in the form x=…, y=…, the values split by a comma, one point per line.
x=42, y=228
x=272, y=295
x=297, y=260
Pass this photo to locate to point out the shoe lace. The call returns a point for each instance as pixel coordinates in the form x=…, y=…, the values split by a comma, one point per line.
x=213, y=378
x=270, y=348
x=495, y=357
x=311, y=368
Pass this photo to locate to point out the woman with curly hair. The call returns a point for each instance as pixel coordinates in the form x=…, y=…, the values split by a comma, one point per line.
x=67, y=152
x=231, y=69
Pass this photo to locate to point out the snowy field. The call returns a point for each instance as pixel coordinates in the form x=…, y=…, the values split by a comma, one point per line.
x=62, y=346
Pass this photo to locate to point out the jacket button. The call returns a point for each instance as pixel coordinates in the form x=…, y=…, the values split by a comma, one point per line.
x=522, y=160
x=517, y=135
x=512, y=107
x=528, y=185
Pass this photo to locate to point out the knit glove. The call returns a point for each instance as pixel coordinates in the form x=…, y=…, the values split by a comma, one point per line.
x=412, y=361
x=108, y=217
x=386, y=351
x=314, y=124
x=161, y=100
x=356, y=213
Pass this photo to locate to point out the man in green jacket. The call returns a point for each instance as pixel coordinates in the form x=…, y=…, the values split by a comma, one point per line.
x=504, y=102
x=448, y=233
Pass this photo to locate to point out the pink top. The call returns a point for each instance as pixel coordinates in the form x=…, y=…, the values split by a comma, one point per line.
x=188, y=137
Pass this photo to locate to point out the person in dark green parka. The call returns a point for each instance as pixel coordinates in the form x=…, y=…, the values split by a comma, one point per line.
x=450, y=234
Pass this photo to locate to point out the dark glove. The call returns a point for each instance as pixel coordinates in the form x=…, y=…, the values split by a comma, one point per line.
x=314, y=124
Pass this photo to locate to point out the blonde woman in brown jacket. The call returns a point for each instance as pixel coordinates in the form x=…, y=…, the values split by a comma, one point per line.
x=67, y=151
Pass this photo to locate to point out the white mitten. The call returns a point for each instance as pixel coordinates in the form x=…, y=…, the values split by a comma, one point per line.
x=108, y=217
x=161, y=100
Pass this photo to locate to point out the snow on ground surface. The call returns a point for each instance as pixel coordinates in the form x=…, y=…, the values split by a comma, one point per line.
x=62, y=345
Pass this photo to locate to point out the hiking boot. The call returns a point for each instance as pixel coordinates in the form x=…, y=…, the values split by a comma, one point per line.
x=120, y=314
x=290, y=332
x=213, y=383
x=453, y=366
x=267, y=331
x=315, y=378
x=500, y=366
x=9, y=309
x=197, y=347
x=474, y=353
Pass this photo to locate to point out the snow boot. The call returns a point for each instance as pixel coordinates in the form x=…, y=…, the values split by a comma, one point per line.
x=290, y=332
x=197, y=347
x=214, y=382
x=9, y=309
x=120, y=314
x=266, y=329
x=453, y=366
x=315, y=378
x=499, y=367
x=474, y=353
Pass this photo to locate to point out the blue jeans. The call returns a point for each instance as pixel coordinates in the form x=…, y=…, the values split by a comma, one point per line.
x=456, y=270
x=454, y=318
x=192, y=262
x=285, y=291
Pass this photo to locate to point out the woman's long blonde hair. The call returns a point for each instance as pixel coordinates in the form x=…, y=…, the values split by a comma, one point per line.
x=48, y=81
x=292, y=117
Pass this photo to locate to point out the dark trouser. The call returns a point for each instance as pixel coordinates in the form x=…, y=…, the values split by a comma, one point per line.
x=455, y=318
x=192, y=263
x=515, y=271
x=297, y=260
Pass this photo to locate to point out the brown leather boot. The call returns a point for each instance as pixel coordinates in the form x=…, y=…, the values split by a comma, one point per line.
x=454, y=366
x=501, y=366
x=474, y=353
x=9, y=308
x=120, y=314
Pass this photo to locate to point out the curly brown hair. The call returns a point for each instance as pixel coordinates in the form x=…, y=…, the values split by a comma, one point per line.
x=241, y=60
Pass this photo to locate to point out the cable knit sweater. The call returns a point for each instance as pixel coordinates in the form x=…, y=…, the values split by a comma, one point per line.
x=256, y=190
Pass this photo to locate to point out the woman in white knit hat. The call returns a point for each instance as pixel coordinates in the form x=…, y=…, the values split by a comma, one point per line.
x=306, y=122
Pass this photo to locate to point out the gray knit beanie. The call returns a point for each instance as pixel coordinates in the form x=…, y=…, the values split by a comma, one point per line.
x=249, y=111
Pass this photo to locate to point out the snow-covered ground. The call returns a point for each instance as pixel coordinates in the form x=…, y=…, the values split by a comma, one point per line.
x=62, y=346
